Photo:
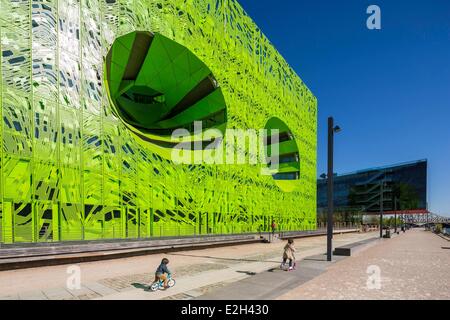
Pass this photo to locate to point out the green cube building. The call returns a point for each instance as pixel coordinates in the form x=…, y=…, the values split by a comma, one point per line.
x=90, y=91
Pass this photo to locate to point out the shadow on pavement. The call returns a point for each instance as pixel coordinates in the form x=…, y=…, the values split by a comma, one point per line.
x=319, y=257
x=144, y=287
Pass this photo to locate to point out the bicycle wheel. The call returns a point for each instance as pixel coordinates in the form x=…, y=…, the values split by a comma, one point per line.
x=171, y=282
x=154, y=286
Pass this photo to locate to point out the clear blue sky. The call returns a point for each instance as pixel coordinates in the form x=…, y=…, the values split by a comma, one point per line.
x=388, y=89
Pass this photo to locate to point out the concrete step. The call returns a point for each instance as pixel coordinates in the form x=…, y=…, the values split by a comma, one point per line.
x=52, y=248
x=18, y=256
x=30, y=258
x=352, y=248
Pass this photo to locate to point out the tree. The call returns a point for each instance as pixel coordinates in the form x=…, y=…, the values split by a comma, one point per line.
x=438, y=228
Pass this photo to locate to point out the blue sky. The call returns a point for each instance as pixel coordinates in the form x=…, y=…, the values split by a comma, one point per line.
x=388, y=89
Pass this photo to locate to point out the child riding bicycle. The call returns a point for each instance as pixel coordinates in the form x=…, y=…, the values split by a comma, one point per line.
x=162, y=272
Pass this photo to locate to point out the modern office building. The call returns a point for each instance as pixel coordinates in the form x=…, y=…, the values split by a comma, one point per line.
x=90, y=93
x=399, y=187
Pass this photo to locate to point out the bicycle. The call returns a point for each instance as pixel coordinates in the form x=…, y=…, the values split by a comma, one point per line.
x=160, y=283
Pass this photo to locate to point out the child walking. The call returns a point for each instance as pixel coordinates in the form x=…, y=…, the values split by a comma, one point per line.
x=288, y=254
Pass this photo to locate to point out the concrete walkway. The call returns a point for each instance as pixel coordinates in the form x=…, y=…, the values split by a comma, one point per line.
x=197, y=272
x=273, y=282
x=226, y=280
x=31, y=255
x=414, y=265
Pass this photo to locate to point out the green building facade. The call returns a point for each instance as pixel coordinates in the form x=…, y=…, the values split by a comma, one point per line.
x=73, y=169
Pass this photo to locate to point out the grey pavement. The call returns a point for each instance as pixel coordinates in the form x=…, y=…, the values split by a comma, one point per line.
x=273, y=282
x=412, y=265
x=198, y=272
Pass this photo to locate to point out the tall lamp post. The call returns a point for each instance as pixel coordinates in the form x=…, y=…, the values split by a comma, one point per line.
x=381, y=208
x=395, y=214
x=331, y=131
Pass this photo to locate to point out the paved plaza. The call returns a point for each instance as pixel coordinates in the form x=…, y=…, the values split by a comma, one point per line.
x=197, y=272
x=413, y=265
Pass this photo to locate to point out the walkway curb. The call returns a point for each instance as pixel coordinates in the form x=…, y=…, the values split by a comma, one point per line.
x=40, y=256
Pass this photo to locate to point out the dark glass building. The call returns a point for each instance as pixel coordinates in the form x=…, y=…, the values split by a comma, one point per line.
x=396, y=187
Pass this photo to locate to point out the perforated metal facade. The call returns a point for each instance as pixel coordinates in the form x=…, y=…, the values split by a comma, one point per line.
x=71, y=170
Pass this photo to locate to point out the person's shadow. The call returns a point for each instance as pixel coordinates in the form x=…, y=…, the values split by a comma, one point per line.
x=144, y=287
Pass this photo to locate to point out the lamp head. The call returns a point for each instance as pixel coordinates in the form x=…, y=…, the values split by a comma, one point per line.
x=323, y=176
x=337, y=129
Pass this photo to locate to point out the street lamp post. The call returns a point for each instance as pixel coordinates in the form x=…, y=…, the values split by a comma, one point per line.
x=381, y=208
x=331, y=130
x=395, y=214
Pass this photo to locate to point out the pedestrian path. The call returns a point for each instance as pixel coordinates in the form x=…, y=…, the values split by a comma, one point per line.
x=31, y=255
x=198, y=272
x=412, y=265
x=273, y=282
x=243, y=281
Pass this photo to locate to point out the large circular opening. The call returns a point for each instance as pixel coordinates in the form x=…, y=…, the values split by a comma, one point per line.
x=157, y=86
x=282, y=154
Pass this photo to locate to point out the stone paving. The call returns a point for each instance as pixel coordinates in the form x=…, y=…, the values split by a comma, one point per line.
x=133, y=280
x=120, y=278
x=271, y=283
x=192, y=294
x=240, y=268
x=413, y=265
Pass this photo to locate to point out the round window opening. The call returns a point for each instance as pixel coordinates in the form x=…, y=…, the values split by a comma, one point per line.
x=156, y=86
x=282, y=154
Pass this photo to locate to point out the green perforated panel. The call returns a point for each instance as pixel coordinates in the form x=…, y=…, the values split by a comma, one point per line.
x=72, y=170
x=156, y=86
